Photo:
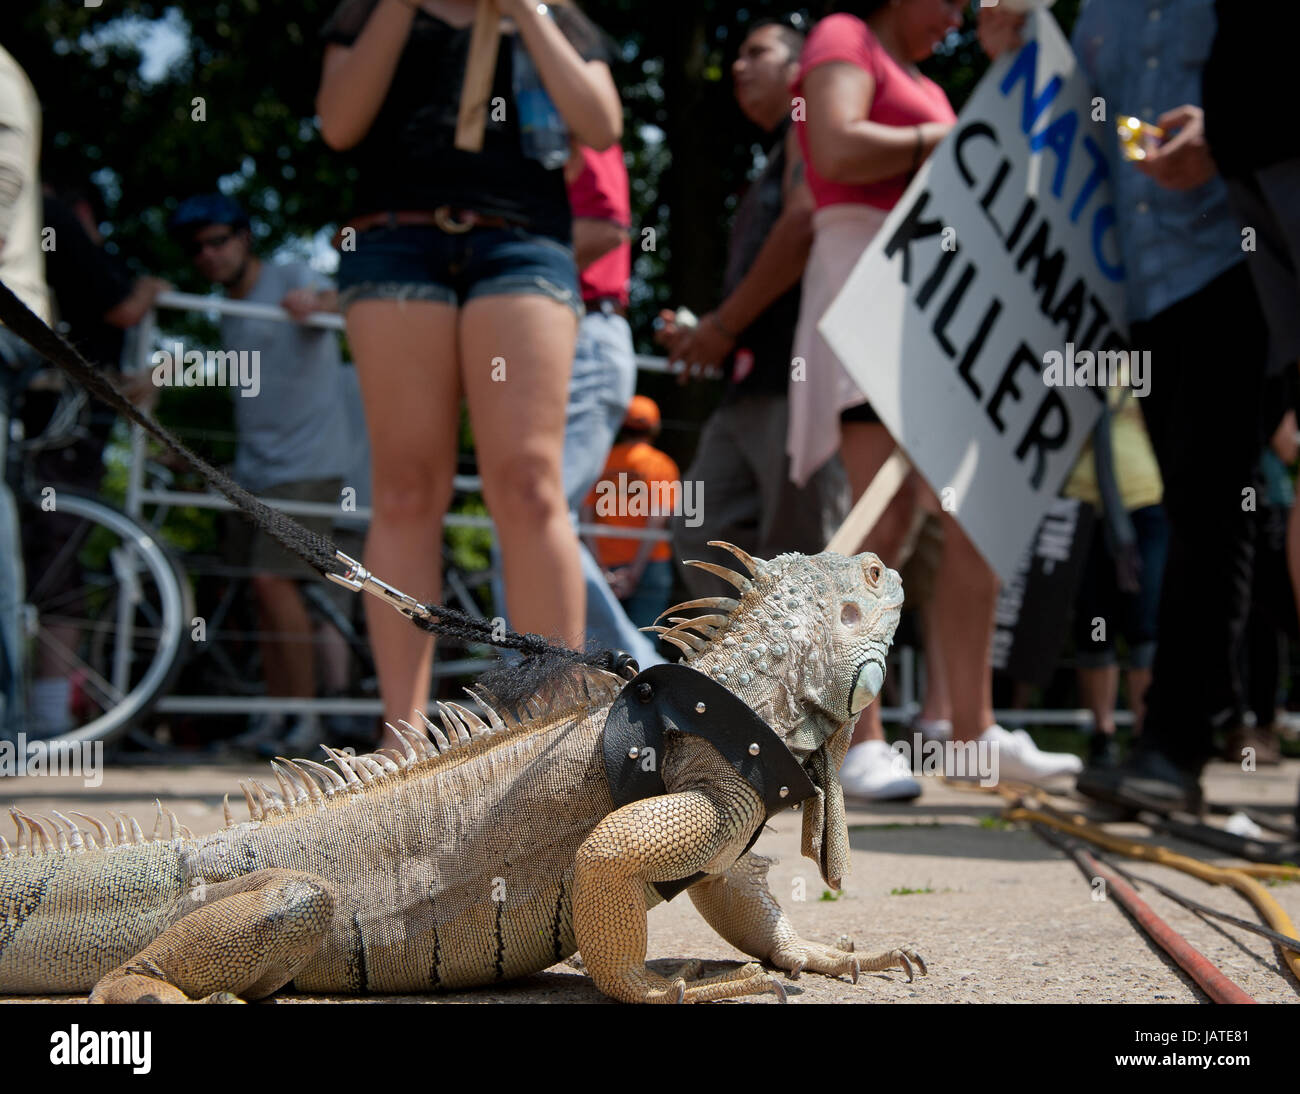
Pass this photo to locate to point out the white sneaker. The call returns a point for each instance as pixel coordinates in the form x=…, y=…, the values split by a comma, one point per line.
x=873, y=771
x=933, y=729
x=1017, y=757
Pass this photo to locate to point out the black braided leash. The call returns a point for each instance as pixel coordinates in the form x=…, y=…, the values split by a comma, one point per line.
x=317, y=551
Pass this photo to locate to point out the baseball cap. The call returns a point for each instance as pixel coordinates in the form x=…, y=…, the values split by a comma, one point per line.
x=202, y=209
x=642, y=413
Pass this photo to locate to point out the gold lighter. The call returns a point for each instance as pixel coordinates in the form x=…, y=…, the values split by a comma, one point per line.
x=1137, y=139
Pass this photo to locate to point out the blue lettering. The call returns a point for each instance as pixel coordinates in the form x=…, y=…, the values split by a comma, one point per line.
x=1059, y=137
x=1025, y=67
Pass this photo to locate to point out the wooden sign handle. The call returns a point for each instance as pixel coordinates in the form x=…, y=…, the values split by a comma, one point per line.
x=871, y=506
x=484, y=42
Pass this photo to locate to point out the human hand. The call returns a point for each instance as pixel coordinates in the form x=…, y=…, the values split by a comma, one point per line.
x=299, y=303
x=999, y=30
x=154, y=287
x=139, y=388
x=703, y=346
x=932, y=134
x=665, y=326
x=621, y=583
x=1183, y=162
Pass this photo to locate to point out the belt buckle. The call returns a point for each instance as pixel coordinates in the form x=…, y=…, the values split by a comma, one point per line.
x=442, y=217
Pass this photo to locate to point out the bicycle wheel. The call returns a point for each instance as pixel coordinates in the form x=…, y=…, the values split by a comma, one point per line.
x=107, y=612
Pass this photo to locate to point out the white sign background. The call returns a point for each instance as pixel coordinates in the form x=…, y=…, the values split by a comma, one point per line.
x=1029, y=123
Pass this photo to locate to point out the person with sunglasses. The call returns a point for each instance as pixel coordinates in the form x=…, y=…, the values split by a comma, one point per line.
x=292, y=439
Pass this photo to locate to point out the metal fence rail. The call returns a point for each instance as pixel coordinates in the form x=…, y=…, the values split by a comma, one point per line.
x=139, y=494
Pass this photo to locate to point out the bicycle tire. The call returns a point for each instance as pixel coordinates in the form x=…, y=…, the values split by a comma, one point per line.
x=146, y=555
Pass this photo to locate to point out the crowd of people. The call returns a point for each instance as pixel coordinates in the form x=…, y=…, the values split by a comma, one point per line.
x=499, y=277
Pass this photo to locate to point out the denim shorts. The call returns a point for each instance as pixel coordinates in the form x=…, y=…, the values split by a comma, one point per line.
x=422, y=262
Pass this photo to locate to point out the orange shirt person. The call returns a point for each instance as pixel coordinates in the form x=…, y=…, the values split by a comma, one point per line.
x=639, y=488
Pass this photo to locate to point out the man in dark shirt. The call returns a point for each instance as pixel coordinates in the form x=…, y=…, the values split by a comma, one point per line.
x=741, y=459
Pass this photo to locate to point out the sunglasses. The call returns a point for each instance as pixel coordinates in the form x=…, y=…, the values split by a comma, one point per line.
x=196, y=247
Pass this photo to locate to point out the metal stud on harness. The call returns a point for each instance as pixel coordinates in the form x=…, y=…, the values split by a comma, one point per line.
x=675, y=697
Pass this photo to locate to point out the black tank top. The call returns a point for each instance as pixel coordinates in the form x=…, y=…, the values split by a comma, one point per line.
x=408, y=159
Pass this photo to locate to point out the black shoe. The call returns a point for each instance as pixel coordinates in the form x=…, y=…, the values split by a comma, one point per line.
x=1103, y=750
x=1146, y=780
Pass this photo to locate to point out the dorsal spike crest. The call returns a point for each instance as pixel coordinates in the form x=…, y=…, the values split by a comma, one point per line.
x=403, y=733
x=225, y=810
x=74, y=833
x=332, y=779
x=477, y=727
x=310, y=788
x=722, y=603
x=254, y=813
x=286, y=793
x=105, y=840
x=418, y=739
x=344, y=763
x=158, y=820
x=756, y=566
x=137, y=836
x=672, y=640
x=729, y=576
x=174, y=824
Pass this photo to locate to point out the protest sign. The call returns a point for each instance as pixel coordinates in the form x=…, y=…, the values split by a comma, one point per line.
x=1029, y=623
x=982, y=315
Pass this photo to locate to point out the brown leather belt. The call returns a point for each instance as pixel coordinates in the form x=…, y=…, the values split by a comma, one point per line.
x=449, y=220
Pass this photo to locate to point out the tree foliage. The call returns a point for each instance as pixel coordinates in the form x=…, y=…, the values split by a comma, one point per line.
x=254, y=64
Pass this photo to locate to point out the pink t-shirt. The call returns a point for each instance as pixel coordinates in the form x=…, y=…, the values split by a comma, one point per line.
x=601, y=192
x=899, y=99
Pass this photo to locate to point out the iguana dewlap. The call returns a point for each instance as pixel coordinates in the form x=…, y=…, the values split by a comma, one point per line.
x=489, y=849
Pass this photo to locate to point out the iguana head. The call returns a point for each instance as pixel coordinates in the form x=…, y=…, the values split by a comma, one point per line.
x=804, y=646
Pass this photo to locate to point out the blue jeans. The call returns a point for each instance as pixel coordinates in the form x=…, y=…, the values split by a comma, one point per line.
x=603, y=382
x=421, y=262
x=650, y=598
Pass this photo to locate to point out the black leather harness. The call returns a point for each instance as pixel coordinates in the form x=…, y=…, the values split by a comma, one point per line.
x=675, y=697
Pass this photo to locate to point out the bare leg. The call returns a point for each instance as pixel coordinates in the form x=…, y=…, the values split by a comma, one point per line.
x=1138, y=682
x=937, y=704
x=287, y=650
x=516, y=354
x=864, y=450
x=1098, y=688
x=406, y=354
x=965, y=597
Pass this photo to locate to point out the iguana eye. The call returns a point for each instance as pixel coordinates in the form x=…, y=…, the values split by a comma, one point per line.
x=874, y=573
x=849, y=614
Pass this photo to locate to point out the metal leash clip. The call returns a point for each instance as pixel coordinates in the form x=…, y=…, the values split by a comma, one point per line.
x=359, y=578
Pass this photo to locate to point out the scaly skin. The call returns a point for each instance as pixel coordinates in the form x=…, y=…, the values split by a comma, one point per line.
x=487, y=852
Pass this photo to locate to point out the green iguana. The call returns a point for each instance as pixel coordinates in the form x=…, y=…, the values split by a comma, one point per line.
x=485, y=849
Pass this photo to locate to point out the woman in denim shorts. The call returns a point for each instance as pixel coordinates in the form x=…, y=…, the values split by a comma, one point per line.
x=457, y=278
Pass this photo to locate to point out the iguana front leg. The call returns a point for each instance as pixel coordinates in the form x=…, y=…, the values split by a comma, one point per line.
x=739, y=905
x=245, y=939
x=658, y=839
